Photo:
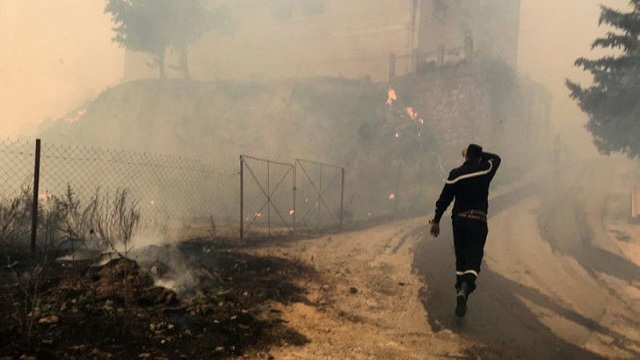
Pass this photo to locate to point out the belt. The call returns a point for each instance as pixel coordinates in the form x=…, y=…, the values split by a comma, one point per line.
x=473, y=214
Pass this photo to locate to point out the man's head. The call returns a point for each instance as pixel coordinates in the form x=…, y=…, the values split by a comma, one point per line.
x=472, y=152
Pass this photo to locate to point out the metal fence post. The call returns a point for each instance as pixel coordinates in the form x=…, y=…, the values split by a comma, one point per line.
x=320, y=199
x=295, y=175
x=241, y=197
x=342, y=199
x=34, y=205
x=269, y=197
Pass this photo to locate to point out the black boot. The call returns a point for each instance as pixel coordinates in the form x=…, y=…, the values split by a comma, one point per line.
x=461, y=299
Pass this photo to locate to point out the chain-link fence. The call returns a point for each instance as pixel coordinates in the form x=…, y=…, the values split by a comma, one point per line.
x=16, y=168
x=179, y=197
x=393, y=189
x=16, y=191
x=171, y=197
x=174, y=187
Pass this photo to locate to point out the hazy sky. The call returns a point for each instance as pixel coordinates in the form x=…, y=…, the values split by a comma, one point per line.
x=57, y=53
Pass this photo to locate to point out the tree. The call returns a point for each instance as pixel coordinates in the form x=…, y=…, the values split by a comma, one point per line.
x=612, y=100
x=190, y=20
x=139, y=27
x=153, y=26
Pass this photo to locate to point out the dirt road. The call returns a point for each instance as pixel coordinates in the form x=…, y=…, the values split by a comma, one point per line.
x=555, y=283
x=561, y=280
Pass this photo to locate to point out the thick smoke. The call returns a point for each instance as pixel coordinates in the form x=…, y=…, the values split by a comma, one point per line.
x=55, y=55
x=553, y=34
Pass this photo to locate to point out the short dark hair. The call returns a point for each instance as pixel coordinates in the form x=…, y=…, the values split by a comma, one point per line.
x=474, y=152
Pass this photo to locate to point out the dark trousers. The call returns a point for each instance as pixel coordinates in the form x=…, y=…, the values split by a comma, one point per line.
x=469, y=237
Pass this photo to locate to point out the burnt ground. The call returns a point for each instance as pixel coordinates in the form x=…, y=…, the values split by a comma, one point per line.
x=76, y=310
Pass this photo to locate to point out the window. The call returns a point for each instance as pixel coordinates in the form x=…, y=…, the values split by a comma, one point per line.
x=439, y=8
x=286, y=9
x=314, y=7
x=281, y=9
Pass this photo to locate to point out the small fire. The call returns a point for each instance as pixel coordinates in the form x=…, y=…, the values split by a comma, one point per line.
x=391, y=97
x=412, y=113
x=44, y=196
x=291, y=212
x=75, y=117
x=392, y=196
x=421, y=121
x=258, y=214
x=397, y=134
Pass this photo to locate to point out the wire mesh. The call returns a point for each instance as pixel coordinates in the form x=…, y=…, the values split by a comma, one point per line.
x=398, y=188
x=16, y=195
x=16, y=168
x=186, y=197
x=184, y=193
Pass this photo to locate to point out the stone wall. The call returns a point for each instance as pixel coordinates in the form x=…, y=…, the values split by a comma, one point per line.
x=490, y=107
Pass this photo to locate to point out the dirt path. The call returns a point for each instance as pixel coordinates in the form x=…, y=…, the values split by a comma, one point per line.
x=366, y=305
x=557, y=283
x=553, y=285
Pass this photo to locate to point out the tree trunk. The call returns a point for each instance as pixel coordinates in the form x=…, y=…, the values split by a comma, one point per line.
x=160, y=60
x=184, y=63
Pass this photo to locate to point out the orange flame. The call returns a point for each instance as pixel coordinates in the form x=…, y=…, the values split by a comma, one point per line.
x=392, y=196
x=391, y=97
x=421, y=121
x=412, y=113
x=45, y=196
x=397, y=134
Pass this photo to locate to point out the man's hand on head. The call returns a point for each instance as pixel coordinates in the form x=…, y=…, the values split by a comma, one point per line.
x=435, y=228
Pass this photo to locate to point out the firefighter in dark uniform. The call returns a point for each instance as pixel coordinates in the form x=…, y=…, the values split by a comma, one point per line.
x=469, y=185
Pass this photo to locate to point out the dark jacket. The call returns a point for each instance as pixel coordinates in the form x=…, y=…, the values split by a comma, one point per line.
x=469, y=185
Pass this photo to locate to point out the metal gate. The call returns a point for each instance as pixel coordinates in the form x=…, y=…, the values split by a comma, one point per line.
x=266, y=197
x=319, y=195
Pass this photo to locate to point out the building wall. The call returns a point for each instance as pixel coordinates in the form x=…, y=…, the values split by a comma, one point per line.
x=439, y=25
x=345, y=38
x=305, y=38
x=494, y=26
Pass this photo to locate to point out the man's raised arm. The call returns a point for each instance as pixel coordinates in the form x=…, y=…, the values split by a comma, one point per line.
x=494, y=160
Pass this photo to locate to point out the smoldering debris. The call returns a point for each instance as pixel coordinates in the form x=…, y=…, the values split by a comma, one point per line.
x=217, y=299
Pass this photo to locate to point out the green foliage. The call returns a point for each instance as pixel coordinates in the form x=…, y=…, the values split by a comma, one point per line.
x=612, y=100
x=153, y=26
